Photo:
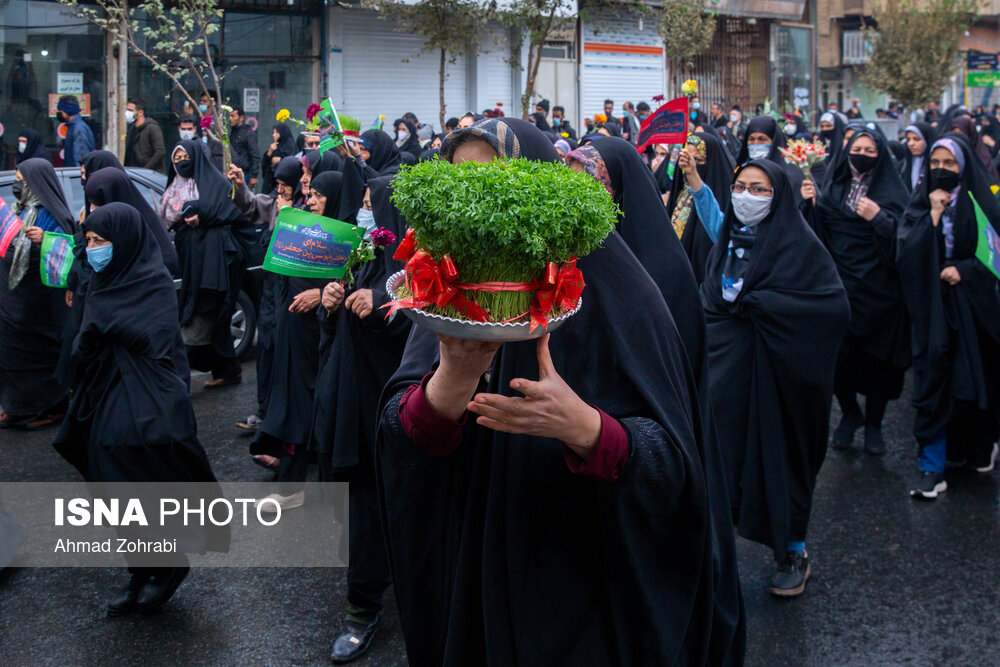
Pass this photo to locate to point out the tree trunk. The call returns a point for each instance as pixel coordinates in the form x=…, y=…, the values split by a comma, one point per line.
x=529, y=86
x=441, y=77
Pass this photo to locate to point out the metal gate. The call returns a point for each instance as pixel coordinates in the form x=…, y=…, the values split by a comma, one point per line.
x=735, y=69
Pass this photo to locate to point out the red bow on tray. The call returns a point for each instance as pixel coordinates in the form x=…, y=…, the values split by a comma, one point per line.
x=435, y=283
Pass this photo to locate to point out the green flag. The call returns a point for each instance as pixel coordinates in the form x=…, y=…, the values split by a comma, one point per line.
x=306, y=245
x=987, y=241
x=57, y=259
x=334, y=137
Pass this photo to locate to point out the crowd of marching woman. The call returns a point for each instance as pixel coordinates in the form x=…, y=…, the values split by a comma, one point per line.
x=593, y=520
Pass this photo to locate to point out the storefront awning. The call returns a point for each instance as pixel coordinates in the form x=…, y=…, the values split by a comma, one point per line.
x=789, y=10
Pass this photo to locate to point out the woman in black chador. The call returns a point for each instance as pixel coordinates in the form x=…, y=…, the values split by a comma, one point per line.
x=952, y=300
x=32, y=315
x=360, y=352
x=130, y=419
x=577, y=525
x=777, y=313
x=212, y=240
x=856, y=218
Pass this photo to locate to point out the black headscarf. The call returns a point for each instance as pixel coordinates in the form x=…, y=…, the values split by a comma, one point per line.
x=412, y=143
x=834, y=142
x=771, y=392
x=289, y=172
x=950, y=322
x=863, y=252
x=541, y=122
x=286, y=144
x=40, y=178
x=769, y=126
x=95, y=161
x=383, y=154
x=951, y=113
x=928, y=134
x=110, y=185
x=342, y=200
x=430, y=154
x=967, y=127
x=35, y=147
x=991, y=128
x=286, y=147
x=215, y=205
x=652, y=552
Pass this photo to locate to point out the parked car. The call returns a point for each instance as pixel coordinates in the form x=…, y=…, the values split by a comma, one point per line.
x=151, y=184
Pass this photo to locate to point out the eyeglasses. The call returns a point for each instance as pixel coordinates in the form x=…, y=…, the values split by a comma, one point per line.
x=759, y=191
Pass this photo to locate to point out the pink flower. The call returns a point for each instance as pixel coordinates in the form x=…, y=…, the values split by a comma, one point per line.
x=657, y=98
x=382, y=237
x=206, y=122
x=312, y=111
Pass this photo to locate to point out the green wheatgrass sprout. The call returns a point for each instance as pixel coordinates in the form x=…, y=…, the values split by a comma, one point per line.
x=503, y=221
x=349, y=123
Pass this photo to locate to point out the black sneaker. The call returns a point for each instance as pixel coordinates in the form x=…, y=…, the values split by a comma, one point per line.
x=874, y=443
x=354, y=641
x=792, y=575
x=931, y=484
x=987, y=463
x=843, y=436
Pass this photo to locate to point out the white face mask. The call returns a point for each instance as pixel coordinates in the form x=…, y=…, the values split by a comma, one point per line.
x=187, y=135
x=790, y=129
x=734, y=117
x=366, y=219
x=22, y=146
x=750, y=209
x=129, y=116
x=759, y=151
x=401, y=135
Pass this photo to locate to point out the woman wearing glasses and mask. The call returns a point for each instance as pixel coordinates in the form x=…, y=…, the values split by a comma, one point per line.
x=777, y=313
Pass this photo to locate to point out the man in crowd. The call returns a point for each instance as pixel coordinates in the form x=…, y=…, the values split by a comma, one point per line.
x=543, y=107
x=451, y=125
x=144, y=145
x=79, y=139
x=189, y=128
x=719, y=119
x=855, y=110
x=630, y=124
x=736, y=122
x=561, y=124
x=243, y=146
x=609, y=111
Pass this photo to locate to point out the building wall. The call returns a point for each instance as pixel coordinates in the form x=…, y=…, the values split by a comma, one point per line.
x=619, y=62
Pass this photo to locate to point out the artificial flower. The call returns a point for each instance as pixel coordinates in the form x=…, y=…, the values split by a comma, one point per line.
x=382, y=237
x=600, y=118
x=312, y=110
x=689, y=88
x=283, y=115
x=206, y=122
x=657, y=98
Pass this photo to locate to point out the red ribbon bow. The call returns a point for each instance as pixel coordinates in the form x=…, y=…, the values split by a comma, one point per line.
x=433, y=283
x=557, y=286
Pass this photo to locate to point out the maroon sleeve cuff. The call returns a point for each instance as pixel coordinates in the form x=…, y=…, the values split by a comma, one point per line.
x=605, y=463
x=428, y=430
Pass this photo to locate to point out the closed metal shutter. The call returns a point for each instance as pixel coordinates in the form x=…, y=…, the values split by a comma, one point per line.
x=375, y=80
x=620, y=62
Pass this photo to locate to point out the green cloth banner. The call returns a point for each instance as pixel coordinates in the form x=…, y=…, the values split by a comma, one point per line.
x=57, y=259
x=987, y=241
x=306, y=245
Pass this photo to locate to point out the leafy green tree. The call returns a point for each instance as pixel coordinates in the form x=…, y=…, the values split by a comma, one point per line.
x=686, y=28
x=451, y=28
x=914, y=48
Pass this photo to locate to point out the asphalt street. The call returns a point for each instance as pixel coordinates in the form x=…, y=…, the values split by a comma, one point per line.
x=895, y=582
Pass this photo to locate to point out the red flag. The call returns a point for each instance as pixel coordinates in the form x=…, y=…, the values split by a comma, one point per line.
x=668, y=125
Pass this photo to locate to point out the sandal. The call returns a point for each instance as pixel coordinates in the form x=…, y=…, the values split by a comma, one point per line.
x=43, y=421
x=251, y=423
x=12, y=421
x=268, y=462
x=224, y=382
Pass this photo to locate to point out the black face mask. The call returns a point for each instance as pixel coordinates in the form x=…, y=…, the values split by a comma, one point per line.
x=184, y=168
x=826, y=135
x=61, y=116
x=944, y=179
x=863, y=163
x=18, y=189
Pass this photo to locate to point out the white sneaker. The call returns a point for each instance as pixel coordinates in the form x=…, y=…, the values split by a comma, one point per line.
x=991, y=462
x=285, y=502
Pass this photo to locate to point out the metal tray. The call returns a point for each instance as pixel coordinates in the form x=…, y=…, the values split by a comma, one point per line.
x=492, y=332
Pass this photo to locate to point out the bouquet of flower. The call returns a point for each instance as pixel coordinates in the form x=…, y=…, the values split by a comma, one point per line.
x=804, y=155
x=322, y=120
x=497, y=243
x=379, y=237
x=689, y=88
x=495, y=113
